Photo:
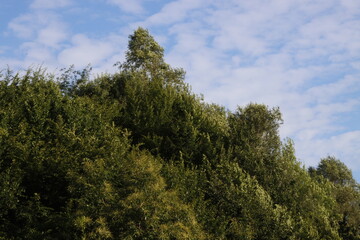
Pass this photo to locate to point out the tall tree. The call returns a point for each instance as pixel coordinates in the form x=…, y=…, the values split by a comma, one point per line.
x=255, y=139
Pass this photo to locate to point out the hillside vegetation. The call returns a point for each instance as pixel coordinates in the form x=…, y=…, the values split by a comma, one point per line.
x=137, y=155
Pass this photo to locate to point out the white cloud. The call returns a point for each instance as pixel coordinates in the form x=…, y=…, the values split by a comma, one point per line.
x=356, y=65
x=343, y=146
x=50, y=4
x=133, y=6
x=327, y=92
x=84, y=51
x=174, y=12
x=351, y=6
x=37, y=53
x=23, y=26
x=52, y=35
x=45, y=33
x=3, y=49
x=46, y=27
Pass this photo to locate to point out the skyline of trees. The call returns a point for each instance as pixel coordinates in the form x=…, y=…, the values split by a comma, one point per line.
x=137, y=155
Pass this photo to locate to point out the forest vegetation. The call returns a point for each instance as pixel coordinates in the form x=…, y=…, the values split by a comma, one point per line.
x=136, y=155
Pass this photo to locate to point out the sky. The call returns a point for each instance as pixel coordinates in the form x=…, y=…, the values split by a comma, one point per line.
x=300, y=55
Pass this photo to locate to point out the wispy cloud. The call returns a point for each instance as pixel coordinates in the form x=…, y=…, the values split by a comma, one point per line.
x=346, y=146
x=174, y=12
x=85, y=51
x=133, y=6
x=50, y=4
x=44, y=32
x=46, y=27
x=23, y=26
x=52, y=35
x=3, y=49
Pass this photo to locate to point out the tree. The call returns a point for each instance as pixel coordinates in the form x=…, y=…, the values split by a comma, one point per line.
x=159, y=109
x=258, y=150
x=255, y=139
x=335, y=171
x=346, y=193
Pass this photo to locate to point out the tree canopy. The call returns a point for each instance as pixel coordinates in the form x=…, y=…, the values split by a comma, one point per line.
x=137, y=155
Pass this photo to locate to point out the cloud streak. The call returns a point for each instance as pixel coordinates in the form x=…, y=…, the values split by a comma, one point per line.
x=133, y=6
x=50, y=4
x=84, y=51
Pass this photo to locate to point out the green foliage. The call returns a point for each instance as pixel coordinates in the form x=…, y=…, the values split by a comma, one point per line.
x=159, y=109
x=245, y=208
x=137, y=155
x=336, y=171
x=65, y=167
x=143, y=51
x=346, y=193
x=254, y=136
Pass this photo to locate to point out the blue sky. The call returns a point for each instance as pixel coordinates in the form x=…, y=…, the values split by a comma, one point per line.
x=300, y=55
